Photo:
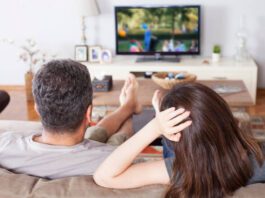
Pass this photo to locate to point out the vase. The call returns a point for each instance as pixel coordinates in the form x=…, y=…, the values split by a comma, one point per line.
x=28, y=85
x=216, y=57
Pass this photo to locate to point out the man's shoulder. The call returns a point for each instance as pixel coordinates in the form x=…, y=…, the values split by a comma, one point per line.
x=15, y=134
x=9, y=136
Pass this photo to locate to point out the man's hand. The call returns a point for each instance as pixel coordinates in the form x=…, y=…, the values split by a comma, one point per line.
x=168, y=121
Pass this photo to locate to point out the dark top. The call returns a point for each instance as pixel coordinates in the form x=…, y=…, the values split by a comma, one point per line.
x=258, y=171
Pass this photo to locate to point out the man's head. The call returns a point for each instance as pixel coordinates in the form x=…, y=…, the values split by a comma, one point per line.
x=62, y=91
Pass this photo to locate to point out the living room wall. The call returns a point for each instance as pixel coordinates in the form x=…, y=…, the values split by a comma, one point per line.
x=55, y=25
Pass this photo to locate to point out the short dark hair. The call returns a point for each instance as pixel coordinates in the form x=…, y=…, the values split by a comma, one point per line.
x=62, y=91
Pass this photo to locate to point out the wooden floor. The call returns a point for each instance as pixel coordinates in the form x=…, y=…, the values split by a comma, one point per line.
x=259, y=108
x=20, y=109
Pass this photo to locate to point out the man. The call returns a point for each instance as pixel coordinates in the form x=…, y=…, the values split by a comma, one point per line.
x=63, y=94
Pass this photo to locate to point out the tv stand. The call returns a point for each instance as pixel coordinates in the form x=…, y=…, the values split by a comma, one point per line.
x=203, y=67
x=157, y=57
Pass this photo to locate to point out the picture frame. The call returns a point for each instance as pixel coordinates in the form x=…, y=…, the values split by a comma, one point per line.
x=94, y=54
x=81, y=53
x=105, y=56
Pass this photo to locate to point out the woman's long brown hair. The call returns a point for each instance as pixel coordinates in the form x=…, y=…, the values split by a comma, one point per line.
x=212, y=158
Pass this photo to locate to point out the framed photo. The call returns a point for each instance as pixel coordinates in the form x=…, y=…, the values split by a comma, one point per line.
x=81, y=53
x=105, y=56
x=94, y=54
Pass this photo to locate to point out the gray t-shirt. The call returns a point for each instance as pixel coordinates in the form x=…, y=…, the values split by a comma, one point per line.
x=20, y=154
x=258, y=171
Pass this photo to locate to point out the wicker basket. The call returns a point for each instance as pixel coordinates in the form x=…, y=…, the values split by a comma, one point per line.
x=159, y=78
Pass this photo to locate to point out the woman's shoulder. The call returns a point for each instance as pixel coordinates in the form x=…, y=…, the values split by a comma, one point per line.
x=258, y=170
x=169, y=165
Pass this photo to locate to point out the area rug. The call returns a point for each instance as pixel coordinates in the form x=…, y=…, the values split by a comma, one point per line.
x=258, y=127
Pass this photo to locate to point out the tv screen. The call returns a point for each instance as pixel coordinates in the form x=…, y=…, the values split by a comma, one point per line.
x=173, y=30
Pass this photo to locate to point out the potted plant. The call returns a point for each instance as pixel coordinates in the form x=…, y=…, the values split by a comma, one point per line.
x=31, y=56
x=216, y=55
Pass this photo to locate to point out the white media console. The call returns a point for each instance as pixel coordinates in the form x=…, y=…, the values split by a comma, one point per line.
x=226, y=69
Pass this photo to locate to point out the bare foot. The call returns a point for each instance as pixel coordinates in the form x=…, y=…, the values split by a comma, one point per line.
x=156, y=100
x=132, y=92
x=129, y=94
x=122, y=97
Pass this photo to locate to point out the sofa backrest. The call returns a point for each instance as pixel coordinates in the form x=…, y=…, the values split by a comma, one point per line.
x=20, y=185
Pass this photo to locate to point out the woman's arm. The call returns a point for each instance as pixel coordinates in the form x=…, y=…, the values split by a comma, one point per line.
x=117, y=170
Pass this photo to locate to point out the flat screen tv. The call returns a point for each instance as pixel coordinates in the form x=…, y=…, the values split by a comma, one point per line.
x=152, y=30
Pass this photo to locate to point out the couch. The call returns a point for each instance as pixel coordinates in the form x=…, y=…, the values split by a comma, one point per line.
x=24, y=186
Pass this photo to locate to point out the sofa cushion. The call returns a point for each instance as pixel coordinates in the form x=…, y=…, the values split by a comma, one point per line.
x=20, y=185
x=253, y=191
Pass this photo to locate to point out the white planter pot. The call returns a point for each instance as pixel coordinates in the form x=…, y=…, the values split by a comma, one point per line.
x=216, y=57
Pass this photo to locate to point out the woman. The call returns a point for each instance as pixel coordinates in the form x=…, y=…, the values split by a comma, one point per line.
x=211, y=156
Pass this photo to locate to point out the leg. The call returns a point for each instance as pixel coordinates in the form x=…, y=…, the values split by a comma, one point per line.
x=4, y=100
x=114, y=121
x=122, y=134
x=129, y=106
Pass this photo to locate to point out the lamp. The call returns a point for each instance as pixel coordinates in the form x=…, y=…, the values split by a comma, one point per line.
x=86, y=8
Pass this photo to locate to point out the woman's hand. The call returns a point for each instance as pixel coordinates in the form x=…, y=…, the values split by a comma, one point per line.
x=170, y=122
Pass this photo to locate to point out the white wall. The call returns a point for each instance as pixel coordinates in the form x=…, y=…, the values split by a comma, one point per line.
x=55, y=25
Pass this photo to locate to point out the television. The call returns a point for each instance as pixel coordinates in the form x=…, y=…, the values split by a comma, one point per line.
x=157, y=30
